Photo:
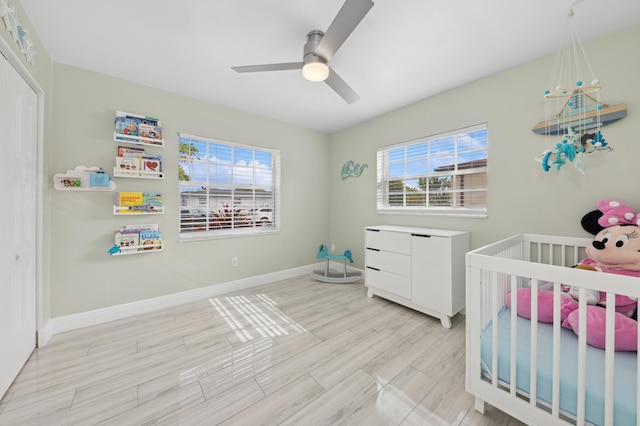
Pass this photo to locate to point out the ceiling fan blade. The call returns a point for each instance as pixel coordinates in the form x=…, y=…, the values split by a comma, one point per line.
x=269, y=67
x=341, y=88
x=347, y=19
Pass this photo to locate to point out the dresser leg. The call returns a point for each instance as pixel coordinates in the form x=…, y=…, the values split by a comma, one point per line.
x=445, y=321
x=369, y=293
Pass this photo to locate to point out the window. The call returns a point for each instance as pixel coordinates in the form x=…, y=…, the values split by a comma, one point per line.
x=227, y=189
x=443, y=174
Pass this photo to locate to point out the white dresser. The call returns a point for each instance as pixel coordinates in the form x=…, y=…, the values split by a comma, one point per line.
x=417, y=267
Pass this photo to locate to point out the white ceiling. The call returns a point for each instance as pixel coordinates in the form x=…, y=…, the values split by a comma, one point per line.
x=402, y=51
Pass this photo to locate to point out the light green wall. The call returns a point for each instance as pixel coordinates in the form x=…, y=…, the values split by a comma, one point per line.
x=84, y=277
x=522, y=198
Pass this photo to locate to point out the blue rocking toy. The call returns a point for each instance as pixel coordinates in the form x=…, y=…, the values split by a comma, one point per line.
x=331, y=276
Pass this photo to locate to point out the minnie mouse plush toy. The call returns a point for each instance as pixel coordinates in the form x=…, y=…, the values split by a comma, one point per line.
x=615, y=250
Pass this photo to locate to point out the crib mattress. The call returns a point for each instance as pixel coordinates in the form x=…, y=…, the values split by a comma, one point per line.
x=625, y=369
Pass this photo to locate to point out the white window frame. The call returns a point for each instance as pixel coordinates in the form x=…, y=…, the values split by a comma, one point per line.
x=383, y=178
x=209, y=182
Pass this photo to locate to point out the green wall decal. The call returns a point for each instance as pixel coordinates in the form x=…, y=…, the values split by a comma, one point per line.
x=352, y=169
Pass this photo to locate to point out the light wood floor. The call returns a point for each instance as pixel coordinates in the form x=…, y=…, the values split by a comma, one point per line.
x=297, y=352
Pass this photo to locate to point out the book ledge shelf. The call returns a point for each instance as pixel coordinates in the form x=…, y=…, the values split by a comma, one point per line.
x=147, y=248
x=83, y=178
x=137, y=210
x=137, y=174
x=136, y=239
x=137, y=140
x=137, y=129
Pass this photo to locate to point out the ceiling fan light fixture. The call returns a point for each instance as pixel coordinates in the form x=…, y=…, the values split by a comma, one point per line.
x=315, y=71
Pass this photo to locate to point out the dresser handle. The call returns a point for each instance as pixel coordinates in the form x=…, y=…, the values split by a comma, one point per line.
x=421, y=235
x=375, y=269
x=373, y=249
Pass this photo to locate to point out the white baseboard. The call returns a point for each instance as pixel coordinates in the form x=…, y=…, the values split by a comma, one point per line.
x=101, y=316
x=45, y=334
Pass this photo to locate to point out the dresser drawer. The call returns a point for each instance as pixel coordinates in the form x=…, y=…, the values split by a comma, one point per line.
x=387, y=261
x=399, y=285
x=397, y=242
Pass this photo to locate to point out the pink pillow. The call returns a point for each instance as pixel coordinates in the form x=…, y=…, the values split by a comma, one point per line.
x=545, y=305
x=626, y=329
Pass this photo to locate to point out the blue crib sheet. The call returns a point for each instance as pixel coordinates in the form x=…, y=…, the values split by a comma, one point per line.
x=625, y=369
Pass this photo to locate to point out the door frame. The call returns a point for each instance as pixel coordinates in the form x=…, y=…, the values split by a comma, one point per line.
x=43, y=333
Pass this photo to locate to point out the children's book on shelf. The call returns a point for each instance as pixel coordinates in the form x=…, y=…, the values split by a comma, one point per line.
x=137, y=162
x=127, y=240
x=139, y=238
x=150, y=240
x=152, y=200
x=129, y=202
x=128, y=199
x=138, y=202
x=151, y=163
x=140, y=126
x=149, y=131
x=143, y=227
x=125, y=151
x=127, y=126
x=128, y=166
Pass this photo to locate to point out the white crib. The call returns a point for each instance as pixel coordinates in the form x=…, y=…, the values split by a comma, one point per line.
x=551, y=385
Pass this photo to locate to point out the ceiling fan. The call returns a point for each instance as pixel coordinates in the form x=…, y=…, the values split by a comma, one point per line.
x=320, y=48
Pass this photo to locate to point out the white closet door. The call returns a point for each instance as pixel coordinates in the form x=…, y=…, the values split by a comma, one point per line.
x=18, y=136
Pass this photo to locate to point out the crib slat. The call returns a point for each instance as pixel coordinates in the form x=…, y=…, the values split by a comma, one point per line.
x=539, y=252
x=533, y=376
x=514, y=335
x=495, y=282
x=609, y=359
x=582, y=355
x=555, y=399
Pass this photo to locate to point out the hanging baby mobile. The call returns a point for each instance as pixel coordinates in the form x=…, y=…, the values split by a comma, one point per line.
x=576, y=114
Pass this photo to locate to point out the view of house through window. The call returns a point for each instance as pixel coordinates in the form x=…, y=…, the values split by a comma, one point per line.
x=226, y=188
x=441, y=174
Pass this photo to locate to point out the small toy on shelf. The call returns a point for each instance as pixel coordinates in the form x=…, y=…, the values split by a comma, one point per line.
x=83, y=178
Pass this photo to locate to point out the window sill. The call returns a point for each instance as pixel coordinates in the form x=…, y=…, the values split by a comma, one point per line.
x=217, y=235
x=436, y=211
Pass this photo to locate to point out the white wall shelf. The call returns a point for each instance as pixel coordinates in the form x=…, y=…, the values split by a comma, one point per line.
x=79, y=179
x=134, y=211
x=137, y=129
x=137, y=174
x=137, y=140
x=149, y=248
x=137, y=239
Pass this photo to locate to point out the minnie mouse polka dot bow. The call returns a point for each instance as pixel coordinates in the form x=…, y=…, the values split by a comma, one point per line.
x=617, y=213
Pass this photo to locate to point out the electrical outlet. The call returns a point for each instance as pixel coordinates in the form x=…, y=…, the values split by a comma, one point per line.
x=234, y=261
x=333, y=247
